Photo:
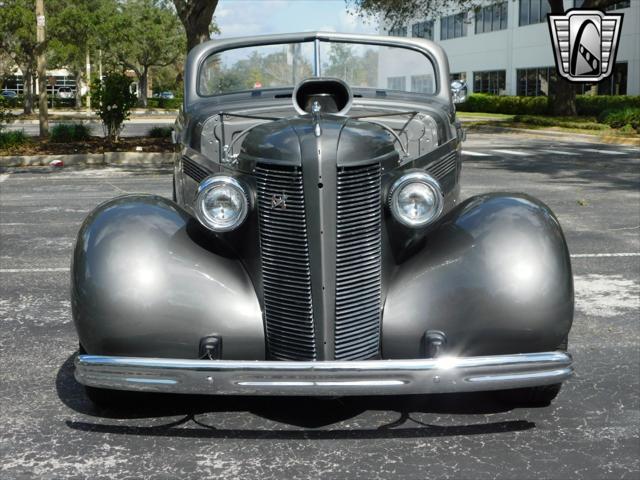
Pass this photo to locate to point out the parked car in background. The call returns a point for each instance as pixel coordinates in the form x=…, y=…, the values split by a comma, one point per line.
x=167, y=95
x=65, y=93
x=9, y=94
x=316, y=243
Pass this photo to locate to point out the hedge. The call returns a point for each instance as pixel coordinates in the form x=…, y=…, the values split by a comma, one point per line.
x=172, y=103
x=586, y=105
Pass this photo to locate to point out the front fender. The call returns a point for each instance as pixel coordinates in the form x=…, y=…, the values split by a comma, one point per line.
x=147, y=280
x=494, y=276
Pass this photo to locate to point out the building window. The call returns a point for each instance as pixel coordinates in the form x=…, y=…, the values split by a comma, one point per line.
x=397, y=83
x=398, y=32
x=492, y=82
x=534, y=82
x=491, y=18
x=462, y=76
x=616, y=84
x=533, y=11
x=423, y=30
x=422, y=84
x=614, y=6
x=453, y=26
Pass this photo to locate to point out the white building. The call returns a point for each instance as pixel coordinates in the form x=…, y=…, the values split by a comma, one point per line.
x=505, y=47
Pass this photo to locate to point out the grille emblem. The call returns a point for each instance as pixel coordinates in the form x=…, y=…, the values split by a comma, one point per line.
x=279, y=201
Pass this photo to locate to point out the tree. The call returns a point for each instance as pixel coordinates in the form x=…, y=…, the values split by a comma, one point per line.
x=197, y=18
x=73, y=32
x=149, y=36
x=562, y=98
x=18, y=38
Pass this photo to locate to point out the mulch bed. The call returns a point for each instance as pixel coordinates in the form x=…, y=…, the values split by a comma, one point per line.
x=92, y=145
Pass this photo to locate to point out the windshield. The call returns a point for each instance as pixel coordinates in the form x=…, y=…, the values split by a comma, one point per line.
x=285, y=65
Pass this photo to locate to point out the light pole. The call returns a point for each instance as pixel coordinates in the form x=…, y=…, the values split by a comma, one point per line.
x=43, y=113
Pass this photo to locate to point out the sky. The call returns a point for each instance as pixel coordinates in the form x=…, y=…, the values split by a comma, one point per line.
x=238, y=18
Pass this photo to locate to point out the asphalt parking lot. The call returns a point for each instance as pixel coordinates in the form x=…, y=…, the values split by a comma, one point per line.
x=50, y=430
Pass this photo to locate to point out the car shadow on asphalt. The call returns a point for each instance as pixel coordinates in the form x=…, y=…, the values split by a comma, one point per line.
x=308, y=414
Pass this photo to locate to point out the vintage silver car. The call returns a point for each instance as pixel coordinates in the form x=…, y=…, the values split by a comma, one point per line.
x=316, y=243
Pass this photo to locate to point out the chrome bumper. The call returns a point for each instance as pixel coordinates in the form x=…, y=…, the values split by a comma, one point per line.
x=372, y=377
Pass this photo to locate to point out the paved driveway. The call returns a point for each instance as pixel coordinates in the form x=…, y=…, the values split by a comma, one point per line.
x=49, y=429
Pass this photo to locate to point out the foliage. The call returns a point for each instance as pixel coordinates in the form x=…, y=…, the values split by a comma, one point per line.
x=170, y=103
x=18, y=39
x=114, y=103
x=12, y=139
x=621, y=118
x=5, y=114
x=587, y=105
x=147, y=34
x=596, y=104
x=70, y=132
x=73, y=32
x=480, y=102
x=197, y=18
x=160, y=132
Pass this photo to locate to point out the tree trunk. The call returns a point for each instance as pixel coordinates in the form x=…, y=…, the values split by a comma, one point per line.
x=562, y=98
x=196, y=16
x=78, y=78
x=27, y=89
x=142, y=87
x=562, y=94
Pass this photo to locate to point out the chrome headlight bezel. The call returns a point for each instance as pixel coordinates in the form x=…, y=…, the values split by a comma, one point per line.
x=211, y=183
x=421, y=178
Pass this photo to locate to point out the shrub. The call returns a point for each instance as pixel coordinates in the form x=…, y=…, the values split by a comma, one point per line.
x=481, y=102
x=595, y=105
x=12, y=139
x=160, y=132
x=114, y=102
x=621, y=117
x=70, y=132
x=170, y=103
x=586, y=105
x=5, y=114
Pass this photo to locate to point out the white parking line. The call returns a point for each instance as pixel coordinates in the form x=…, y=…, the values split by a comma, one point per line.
x=475, y=154
x=559, y=152
x=33, y=270
x=596, y=255
x=3, y=177
x=606, y=152
x=513, y=152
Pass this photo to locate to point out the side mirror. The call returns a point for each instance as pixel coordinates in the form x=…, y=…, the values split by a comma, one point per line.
x=459, y=91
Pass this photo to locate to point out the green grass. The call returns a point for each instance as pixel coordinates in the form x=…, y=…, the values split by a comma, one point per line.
x=12, y=139
x=471, y=115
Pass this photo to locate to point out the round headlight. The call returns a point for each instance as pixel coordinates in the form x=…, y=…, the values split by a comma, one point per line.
x=221, y=203
x=416, y=199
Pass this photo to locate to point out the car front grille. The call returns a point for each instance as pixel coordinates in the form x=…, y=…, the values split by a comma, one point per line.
x=285, y=264
x=358, y=264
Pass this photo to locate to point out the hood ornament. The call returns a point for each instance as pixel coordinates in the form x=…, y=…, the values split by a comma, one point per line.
x=315, y=114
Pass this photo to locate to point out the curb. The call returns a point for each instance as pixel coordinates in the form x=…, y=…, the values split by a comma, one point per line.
x=611, y=139
x=165, y=119
x=155, y=159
